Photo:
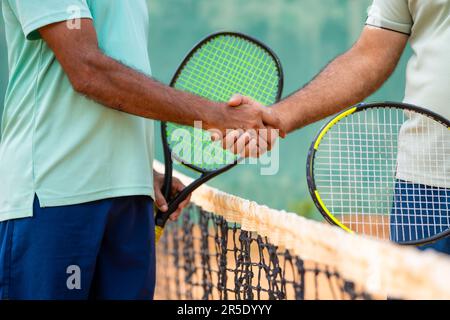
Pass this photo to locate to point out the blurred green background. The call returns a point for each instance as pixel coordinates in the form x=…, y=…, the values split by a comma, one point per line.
x=306, y=35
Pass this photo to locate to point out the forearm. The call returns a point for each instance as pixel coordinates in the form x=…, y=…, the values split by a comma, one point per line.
x=347, y=80
x=344, y=82
x=114, y=85
x=119, y=87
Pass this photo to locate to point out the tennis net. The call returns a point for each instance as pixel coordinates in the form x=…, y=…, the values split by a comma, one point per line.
x=225, y=247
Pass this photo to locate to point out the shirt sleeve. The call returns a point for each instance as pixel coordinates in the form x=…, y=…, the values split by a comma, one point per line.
x=33, y=14
x=390, y=14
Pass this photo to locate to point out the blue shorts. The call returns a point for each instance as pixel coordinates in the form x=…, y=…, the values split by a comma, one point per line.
x=98, y=250
x=413, y=204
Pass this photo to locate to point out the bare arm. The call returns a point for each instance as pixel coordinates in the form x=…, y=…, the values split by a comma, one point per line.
x=117, y=86
x=347, y=80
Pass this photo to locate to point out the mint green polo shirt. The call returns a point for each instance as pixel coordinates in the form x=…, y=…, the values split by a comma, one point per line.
x=56, y=143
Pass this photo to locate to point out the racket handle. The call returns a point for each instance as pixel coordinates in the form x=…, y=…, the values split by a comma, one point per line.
x=162, y=217
x=158, y=233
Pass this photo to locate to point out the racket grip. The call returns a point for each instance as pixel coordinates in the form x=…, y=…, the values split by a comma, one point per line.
x=158, y=233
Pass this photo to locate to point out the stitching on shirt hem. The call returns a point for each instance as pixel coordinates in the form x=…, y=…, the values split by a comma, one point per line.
x=385, y=28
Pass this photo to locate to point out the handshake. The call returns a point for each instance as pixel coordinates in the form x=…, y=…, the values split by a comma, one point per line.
x=246, y=127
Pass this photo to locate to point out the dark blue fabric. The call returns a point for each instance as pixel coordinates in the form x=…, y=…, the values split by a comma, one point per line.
x=110, y=241
x=420, y=205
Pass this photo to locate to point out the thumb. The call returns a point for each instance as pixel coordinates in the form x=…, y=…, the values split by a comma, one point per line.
x=160, y=201
x=236, y=100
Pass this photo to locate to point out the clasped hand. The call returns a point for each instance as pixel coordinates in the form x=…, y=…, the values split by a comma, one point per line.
x=249, y=129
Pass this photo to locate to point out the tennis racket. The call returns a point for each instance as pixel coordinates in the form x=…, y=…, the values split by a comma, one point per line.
x=383, y=170
x=218, y=67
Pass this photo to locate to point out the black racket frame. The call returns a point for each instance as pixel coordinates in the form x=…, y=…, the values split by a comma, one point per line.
x=205, y=176
x=359, y=108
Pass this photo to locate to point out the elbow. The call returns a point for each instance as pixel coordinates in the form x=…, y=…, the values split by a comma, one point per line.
x=79, y=84
x=84, y=75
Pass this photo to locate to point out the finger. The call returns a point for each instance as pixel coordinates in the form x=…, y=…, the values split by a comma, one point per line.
x=274, y=134
x=251, y=102
x=186, y=202
x=183, y=205
x=236, y=100
x=174, y=216
x=160, y=200
x=231, y=138
x=253, y=149
x=177, y=186
x=263, y=145
x=250, y=149
x=241, y=144
x=267, y=138
x=216, y=134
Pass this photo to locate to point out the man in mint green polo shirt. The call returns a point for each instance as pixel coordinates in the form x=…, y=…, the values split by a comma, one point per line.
x=76, y=149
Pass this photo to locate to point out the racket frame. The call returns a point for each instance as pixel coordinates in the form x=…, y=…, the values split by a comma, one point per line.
x=315, y=194
x=173, y=203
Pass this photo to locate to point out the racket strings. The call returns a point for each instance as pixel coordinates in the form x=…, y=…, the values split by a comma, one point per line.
x=223, y=66
x=356, y=173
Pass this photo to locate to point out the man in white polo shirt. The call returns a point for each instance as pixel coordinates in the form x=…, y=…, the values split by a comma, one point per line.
x=359, y=72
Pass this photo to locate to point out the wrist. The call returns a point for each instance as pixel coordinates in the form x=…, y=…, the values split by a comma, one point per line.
x=215, y=116
x=289, y=119
x=283, y=115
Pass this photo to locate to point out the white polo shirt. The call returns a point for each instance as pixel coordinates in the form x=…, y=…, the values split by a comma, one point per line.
x=427, y=22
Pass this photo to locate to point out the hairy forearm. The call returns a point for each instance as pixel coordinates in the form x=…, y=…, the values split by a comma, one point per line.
x=344, y=82
x=347, y=80
x=119, y=87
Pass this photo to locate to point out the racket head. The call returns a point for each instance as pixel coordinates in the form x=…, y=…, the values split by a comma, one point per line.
x=354, y=173
x=222, y=64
